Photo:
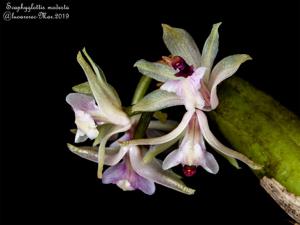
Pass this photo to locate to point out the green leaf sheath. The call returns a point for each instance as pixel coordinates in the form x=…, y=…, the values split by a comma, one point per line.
x=262, y=129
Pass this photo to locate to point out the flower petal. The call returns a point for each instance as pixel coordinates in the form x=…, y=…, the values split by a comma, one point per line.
x=210, y=50
x=213, y=141
x=166, y=138
x=157, y=100
x=157, y=71
x=83, y=88
x=153, y=171
x=180, y=43
x=196, y=77
x=110, y=91
x=82, y=102
x=86, y=126
x=127, y=179
x=143, y=184
x=172, y=86
x=101, y=153
x=209, y=163
x=109, y=105
x=231, y=160
x=86, y=152
x=80, y=136
x=114, y=173
x=113, y=155
x=191, y=96
x=173, y=159
x=224, y=69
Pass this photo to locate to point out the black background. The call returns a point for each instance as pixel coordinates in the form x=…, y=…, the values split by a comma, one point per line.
x=43, y=183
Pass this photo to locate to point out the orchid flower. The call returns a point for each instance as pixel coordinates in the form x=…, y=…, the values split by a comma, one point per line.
x=188, y=76
x=107, y=112
x=190, y=81
x=132, y=173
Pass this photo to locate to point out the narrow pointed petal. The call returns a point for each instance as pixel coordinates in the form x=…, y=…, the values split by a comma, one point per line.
x=224, y=69
x=153, y=171
x=99, y=73
x=157, y=100
x=86, y=152
x=180, y=43
x=210, y=164
x=157, y=149
x=173, y=159
x=213, y=141
x=113, y=155
x=210, y=50
x=101, y=153
x=110, y=91
x=231, y=160
x=166, y=138
x=83, y=88
x=107, y=102
x=157, y=71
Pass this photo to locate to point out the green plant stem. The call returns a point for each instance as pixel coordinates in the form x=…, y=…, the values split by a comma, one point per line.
x=145, y=119
x=143, y=125
x=141, y=89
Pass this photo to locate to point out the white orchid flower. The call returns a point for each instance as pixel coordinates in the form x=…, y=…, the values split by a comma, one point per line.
x=188, y=76
x=189, y=80
x=132, y=173
x=192, y=151
x=102, y=108
x=86, y=118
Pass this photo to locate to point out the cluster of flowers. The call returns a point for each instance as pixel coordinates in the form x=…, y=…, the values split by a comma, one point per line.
x=188, y=78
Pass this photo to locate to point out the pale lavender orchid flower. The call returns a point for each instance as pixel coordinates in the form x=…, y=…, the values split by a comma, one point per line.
x=132, y=173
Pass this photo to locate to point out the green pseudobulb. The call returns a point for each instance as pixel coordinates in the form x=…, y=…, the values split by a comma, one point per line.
x=262, y=129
